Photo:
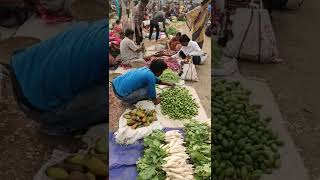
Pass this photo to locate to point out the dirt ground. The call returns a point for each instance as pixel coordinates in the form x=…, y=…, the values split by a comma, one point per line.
x=295, y=82
x=23, y=149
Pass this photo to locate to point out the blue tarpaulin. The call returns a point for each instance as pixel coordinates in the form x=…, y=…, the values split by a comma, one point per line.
x=123, y=158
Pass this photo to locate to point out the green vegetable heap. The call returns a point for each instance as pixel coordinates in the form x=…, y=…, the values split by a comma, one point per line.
x=198, y=142
x=169, y=76
x=178, y=104
x=149, y=166
x=243, y=146
x=172, y=31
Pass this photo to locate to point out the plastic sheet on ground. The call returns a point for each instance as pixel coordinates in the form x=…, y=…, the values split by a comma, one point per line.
x=167, y=122
x=122, y=159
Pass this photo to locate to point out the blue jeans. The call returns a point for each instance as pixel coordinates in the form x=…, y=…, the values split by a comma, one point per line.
x=135, y=96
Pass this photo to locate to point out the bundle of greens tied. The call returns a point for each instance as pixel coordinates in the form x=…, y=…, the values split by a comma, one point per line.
x=198, y=143
x=169, y=76
x=244, y=147
x=178, y=103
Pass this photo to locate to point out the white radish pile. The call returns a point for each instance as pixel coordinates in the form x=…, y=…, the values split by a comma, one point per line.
x=176, y=166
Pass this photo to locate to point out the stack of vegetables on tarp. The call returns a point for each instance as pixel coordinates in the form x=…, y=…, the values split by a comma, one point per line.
x=172, y=63
x=177, y=103
x=178, y=106
x=169, y=76
x=177, y=154
x=244, y=147
x=166, y=56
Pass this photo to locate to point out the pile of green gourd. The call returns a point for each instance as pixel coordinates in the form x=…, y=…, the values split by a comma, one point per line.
x=169, y=76
x=177, y=103
x=244, y=147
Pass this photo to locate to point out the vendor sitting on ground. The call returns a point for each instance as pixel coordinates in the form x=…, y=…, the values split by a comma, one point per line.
x=118, y=29
x=158, y=17
x=139, y=84
x=189, y=48
x=129, y=51
x=174, y=44
x=60, y=82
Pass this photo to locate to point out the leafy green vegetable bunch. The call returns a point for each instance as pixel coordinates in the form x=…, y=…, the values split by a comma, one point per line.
x=169, y=76
x=177, y=103
x=199, y=147
x=149, y=166
x=172, y=31
x=244, y=147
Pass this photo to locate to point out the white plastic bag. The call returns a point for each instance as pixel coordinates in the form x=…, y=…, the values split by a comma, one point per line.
x=253, y=37
x=127, y=135
x=189, y=73
x=204, y=58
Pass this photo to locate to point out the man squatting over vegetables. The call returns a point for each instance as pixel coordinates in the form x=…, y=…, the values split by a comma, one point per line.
x=60, y=82
x=139, y=84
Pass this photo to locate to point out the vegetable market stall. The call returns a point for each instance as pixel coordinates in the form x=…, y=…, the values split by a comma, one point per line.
x=147, y=158
x=290, y=165
x=168, y=121
x=177, y=107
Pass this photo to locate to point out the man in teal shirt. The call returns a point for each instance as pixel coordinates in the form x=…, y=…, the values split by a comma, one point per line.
x=139, y=84
x=61, y=82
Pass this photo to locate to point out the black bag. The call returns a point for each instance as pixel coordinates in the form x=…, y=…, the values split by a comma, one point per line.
x=196, y=60
x=182, y=55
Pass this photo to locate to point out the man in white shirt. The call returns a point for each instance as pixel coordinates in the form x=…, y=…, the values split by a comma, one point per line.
x=190, y=48
x=128, y=50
